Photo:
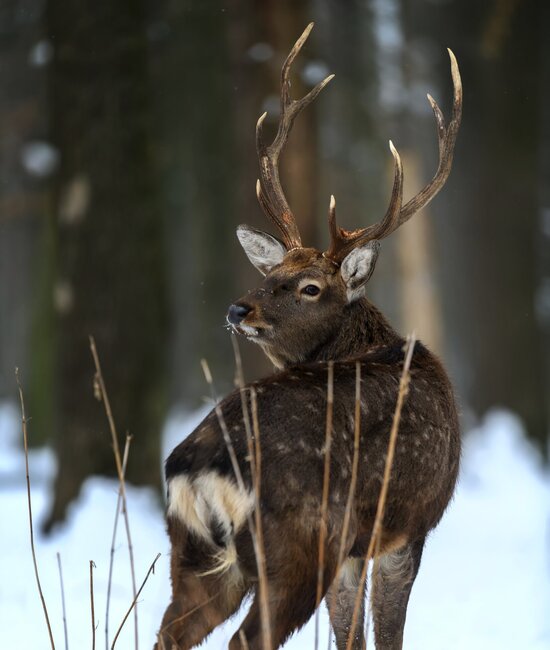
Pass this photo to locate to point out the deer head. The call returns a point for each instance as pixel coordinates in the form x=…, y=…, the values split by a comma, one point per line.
x=306, y=293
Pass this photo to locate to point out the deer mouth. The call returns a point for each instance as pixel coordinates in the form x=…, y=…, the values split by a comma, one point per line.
x=248, y=330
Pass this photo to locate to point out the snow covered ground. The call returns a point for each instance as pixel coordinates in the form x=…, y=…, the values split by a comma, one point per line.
x=484, y=581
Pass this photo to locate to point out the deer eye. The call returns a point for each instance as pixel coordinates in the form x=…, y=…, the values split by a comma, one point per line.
x=311, y=290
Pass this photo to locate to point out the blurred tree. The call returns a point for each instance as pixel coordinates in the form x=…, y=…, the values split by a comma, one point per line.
x=490, y=218
x=109, y=256
x=26, y=160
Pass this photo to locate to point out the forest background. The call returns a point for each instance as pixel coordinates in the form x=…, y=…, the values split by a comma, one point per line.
x=127, y=160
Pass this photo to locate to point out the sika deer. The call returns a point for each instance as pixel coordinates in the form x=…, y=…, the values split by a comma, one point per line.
x=310, y=315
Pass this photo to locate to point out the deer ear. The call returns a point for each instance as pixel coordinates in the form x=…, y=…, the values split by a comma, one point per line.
x=357, y=268
x=262, y=249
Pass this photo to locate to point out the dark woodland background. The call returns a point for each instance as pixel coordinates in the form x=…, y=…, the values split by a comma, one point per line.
x=127, y=159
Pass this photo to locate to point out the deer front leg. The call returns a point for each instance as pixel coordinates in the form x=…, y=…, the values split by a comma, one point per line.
x=393, y=575
x=340, y=603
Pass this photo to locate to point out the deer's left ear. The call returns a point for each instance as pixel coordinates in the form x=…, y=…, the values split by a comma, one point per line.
x=261, y=248
x=357, y=268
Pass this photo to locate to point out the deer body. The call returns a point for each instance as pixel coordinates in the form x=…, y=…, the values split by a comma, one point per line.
x=311, y=313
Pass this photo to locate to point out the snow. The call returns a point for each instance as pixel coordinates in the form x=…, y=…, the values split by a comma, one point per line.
x=484, y=582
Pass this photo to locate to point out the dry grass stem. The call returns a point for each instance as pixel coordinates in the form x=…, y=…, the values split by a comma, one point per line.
x=29, y=507
x=255, y=459
x=92, y=606
x=353, y=482
x=260, y=557
x=102, y=391
x=181, y=618
x=403, y=390
x=151, y=570
x=63, y=601
x=223, y=426
x=324, y=501
x=260, y=554
x=243, y=640
x=113, y=541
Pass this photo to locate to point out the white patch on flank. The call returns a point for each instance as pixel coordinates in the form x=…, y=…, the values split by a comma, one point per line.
x=208, y=495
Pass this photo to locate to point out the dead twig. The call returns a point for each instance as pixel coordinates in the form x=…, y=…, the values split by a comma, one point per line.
x=92, y=567
x=99, y=386
x=403, y=390
x=255, y=458
x=151, y=570
x=239, y=479
x=260, y=559
x=324, y=501
x=63, y=601
x=29, y=507
x=113, y=540
x=352, y=485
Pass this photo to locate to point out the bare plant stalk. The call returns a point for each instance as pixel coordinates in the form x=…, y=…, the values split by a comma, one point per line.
x=100, y=385
x=223, y=427
x=354, y=466
x=181, y=618
x=262, y=573
x=113, y=540
x=243, y=640
x=63, y=601
x=403, y=390
x=151, y=570
x=324, y=501
x=92, y=567
x=260, y=556
x=352, y=485
x=254, y=454
x=29, y=507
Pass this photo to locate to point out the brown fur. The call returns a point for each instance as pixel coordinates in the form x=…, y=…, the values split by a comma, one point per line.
x=301, y=335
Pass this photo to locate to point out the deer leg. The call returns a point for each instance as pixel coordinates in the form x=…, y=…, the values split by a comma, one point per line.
x=290, y=606
x=202, y=598
x=393, y=575
x=292, y=591
x=340, y=602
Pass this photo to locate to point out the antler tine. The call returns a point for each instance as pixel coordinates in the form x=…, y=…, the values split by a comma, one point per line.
x=343, y=241
x=268, y=189
x=447, y=138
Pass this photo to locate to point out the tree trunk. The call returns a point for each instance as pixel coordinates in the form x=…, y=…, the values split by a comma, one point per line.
x=109, y=244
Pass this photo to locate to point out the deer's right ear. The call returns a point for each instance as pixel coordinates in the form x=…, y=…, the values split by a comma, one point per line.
x=262, y=249
x=357, y=268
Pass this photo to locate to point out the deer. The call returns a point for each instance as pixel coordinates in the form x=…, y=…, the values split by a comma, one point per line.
x=311, y=316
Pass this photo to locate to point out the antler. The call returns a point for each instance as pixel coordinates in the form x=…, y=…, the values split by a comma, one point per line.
x=268, y=187
x=344, y=241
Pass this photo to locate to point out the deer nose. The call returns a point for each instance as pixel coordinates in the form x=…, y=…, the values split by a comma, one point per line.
x=237, y=313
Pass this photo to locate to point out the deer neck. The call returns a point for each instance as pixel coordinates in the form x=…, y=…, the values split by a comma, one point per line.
x=361, y=328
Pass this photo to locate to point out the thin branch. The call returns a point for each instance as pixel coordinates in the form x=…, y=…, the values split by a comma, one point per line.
x=151, y=570
x=113, y=540
x=324, y=502
x=352, y=485
x=242, y=639
x=259, y=553
x=29, y=507
x=354, y=466
x=92, y=567
x=181, y=618
x=262, y=573
x=255, y=458
x=379, y=517
x=63, y=601
x=99, y=385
